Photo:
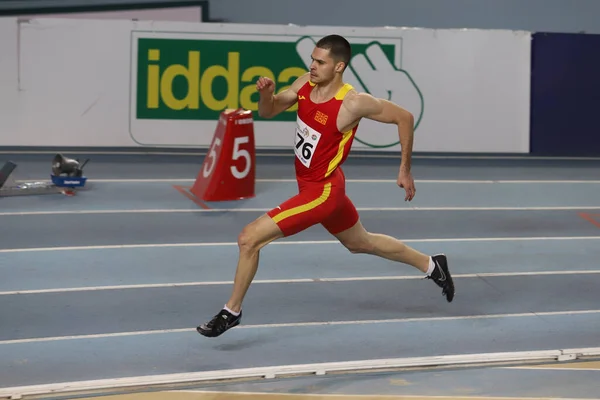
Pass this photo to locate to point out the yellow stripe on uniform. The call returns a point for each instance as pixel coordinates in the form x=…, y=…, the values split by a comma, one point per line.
x=346, y=135
x=343, y=91
x=338, y=157
x=305, y=207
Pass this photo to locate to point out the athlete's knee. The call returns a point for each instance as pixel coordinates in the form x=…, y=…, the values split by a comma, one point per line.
x=248, y=239
x=258, y=234
x=360, y=245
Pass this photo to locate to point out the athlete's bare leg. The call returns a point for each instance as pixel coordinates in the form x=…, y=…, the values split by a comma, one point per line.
x=253, y=237
x=358, y=240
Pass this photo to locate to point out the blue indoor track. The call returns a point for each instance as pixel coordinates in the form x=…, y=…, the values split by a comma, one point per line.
x=112, y=282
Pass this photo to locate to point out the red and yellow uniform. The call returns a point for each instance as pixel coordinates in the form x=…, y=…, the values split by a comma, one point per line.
x=320, y=150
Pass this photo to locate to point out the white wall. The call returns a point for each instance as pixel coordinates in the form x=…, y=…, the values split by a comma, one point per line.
x=9, y=99
x=74, y=83
x=78, y=83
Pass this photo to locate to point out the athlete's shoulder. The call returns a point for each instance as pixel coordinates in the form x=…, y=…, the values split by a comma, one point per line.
x=356, y=101
x=350, y=93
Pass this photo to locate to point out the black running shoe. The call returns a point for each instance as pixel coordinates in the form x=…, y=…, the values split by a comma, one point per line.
x=441, y=276
x=220, y=323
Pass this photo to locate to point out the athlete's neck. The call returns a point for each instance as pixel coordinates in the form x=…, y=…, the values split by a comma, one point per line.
x=325, y=91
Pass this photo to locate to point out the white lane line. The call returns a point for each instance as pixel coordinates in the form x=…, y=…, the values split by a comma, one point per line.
x=160, y=245
x=241, y=210
x=298, y=280
x=304, y=324
x=298, y=242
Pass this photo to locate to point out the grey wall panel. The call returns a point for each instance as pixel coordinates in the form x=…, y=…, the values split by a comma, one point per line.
x=533, y=15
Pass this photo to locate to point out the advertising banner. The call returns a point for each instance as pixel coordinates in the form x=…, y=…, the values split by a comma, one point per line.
x=151, y=83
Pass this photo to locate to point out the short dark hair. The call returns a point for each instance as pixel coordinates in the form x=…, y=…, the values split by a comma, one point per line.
x=338, y=47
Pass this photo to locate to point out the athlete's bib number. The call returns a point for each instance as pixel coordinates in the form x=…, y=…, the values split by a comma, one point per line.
x=306, y=144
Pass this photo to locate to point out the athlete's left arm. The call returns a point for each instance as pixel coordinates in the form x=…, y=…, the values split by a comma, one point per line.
x=363, y=105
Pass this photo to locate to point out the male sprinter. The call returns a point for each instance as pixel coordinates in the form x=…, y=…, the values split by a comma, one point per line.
x=329, y=111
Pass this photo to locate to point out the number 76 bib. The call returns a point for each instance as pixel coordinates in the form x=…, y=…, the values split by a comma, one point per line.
x=306, y=142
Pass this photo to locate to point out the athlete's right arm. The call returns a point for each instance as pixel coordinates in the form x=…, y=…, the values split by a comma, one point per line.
x=269, y=105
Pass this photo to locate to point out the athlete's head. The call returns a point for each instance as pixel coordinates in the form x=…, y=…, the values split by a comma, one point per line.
x=329, y=58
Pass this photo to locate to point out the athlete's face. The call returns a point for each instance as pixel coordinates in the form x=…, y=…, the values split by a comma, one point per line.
x=323, y=67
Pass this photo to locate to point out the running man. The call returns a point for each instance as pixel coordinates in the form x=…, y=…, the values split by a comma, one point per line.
x=329, y=112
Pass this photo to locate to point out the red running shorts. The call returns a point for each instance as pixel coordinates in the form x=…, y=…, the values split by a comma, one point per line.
x=323, y=202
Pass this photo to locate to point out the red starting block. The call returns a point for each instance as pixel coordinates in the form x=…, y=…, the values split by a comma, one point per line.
x=228, y=171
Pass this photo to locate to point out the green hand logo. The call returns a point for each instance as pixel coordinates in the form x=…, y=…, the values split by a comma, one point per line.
x=372, y=72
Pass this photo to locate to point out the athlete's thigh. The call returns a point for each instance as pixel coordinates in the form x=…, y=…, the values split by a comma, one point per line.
x=309, y=207
x=343, y=218
x=260, y=232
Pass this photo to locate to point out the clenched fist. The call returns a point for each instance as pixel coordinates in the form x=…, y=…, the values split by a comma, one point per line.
x=265, y=85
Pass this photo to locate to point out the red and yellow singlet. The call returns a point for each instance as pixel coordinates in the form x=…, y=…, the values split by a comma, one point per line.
x=320, y=147
x=320, y=150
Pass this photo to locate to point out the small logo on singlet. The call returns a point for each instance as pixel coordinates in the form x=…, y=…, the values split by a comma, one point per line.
x=301, y=98
x=321, y=118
